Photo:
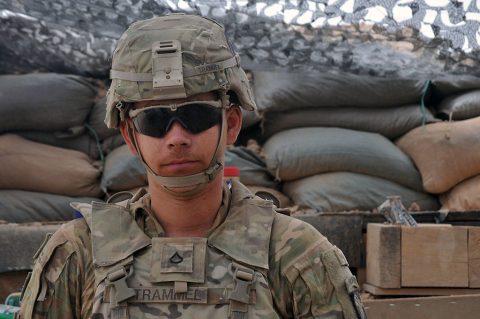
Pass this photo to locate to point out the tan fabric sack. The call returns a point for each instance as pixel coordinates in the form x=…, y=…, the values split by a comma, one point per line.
x=445, y=153
x=31, y=166
x=464, y=196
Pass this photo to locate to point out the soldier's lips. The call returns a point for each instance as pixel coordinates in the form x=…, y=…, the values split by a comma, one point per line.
x=186, y=165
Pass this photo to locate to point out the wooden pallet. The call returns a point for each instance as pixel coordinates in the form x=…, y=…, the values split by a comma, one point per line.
x=377, y=291
x=446, y=307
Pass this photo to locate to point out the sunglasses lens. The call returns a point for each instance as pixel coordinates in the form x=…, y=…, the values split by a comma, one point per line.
x=199, y=117
x=151, y=122
x=195, y=118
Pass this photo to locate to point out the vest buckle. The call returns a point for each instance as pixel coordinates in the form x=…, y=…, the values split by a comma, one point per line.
x=243, y=280
x=118, y=279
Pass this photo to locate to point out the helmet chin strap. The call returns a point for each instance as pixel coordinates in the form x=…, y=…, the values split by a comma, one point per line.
x=198, y=181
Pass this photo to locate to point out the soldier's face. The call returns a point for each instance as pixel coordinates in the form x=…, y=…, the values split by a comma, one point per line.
x=179, y=152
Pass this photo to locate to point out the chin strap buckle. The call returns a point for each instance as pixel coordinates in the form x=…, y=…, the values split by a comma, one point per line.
x=213, y=171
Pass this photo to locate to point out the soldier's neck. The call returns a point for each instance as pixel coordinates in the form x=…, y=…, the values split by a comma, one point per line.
x=187, y=217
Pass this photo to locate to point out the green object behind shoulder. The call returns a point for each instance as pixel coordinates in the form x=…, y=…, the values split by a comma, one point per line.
x=7, y=312
x=12, y=305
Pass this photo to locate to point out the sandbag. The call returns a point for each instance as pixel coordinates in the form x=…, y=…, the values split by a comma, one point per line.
x=444, y=153
x=25, y=207
x=344, y=191
x=389, y=122
x=303, y=152
x=111, y=143
x=460, y=106
x=250, y=118
x=253, y=170
x=44, y=101
x=444, y=88
x=287, y=91
x=96, y=120
x=83, y=142
x=463, y=197
x=123, y=171
x=31, y=166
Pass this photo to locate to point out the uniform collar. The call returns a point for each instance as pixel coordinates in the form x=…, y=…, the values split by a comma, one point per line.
x=245, y=233
x=241, y=229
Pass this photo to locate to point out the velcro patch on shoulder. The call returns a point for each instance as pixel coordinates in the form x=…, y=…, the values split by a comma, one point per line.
x=47, y=249
x=45, y=241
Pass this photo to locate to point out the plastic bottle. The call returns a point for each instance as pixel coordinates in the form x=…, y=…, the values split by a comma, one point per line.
x=231, y=173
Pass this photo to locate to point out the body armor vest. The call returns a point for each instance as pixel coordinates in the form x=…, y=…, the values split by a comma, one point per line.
x=222, y=276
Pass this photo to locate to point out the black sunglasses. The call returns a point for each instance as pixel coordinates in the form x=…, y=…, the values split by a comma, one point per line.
x=195, y=116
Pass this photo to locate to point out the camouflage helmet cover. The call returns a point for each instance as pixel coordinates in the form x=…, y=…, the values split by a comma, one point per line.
x=174, y=56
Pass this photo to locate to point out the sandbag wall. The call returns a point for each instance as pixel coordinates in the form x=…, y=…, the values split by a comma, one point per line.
x=52, y=145
x=342, y=142
x=331, y=143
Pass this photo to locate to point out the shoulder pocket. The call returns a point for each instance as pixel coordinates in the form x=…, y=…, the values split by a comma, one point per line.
x=346, y=287
x=36, y=286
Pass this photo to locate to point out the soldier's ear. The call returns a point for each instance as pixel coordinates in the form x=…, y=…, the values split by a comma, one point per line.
x=125, y=126
x=234, y=123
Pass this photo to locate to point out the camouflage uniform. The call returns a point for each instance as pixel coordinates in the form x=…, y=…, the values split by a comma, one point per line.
x=257, y=264
x=254, y=263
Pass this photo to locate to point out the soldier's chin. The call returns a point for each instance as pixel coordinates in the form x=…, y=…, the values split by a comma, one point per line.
x=183, y=190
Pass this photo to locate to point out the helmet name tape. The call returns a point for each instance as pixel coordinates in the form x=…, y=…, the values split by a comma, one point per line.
x=167, y=69
x=212, y=67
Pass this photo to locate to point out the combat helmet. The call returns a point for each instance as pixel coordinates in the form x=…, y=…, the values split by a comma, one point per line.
x=172, y=57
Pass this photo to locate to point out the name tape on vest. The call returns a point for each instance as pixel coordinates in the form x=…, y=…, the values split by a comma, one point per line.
x=167, y=295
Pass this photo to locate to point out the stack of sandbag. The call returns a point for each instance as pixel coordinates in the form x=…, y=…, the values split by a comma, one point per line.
x=328, y=139
x=50, y=141
x=53, y=109
x=37, y=181
x=334, y=169
x=448, y=157
x=447, y=153
x=292, y=100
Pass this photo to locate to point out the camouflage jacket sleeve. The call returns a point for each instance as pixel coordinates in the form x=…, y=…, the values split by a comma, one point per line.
x=310, y=277
x=61, y=284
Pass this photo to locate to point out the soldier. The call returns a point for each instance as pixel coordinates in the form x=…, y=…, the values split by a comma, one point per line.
x=193, y=246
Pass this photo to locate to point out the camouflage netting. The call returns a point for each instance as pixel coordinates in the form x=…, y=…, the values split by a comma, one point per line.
x=405, y=38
